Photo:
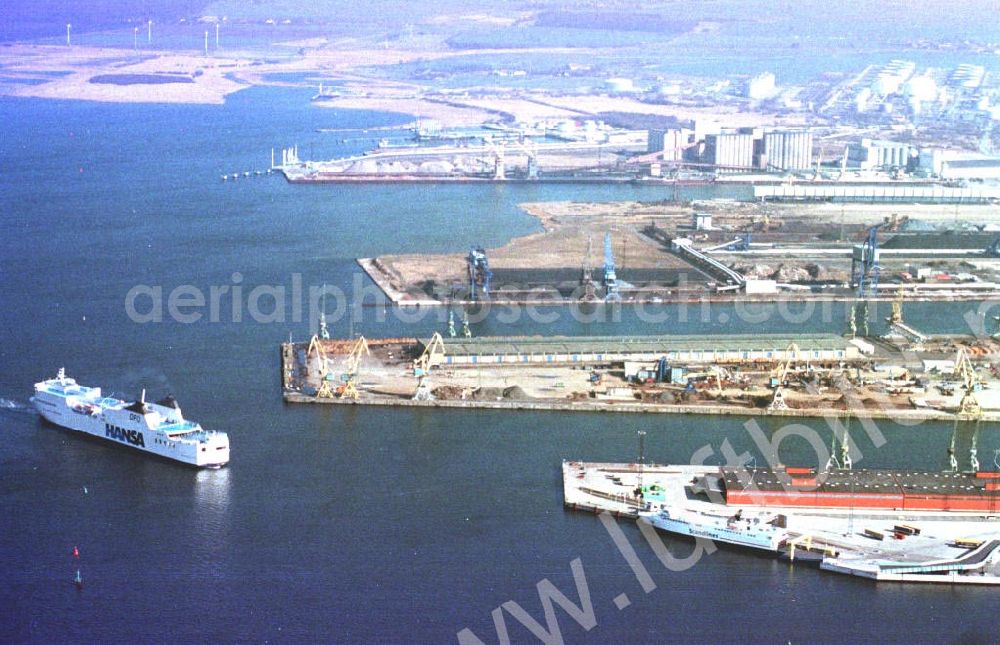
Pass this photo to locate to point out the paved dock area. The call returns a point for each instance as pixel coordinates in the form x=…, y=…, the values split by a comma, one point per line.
x=825, y=375
x=845, y=536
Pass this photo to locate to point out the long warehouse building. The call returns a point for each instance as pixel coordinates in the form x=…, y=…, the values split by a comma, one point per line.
x=538, y=350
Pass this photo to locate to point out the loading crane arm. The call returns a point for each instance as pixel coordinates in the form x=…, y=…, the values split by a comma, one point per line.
x=349, y=389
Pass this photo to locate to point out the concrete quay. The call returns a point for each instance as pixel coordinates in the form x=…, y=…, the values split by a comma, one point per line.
x=938, y=547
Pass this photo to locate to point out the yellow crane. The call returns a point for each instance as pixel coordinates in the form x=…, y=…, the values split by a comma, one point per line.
x=432, y=355
x=325, y=389
x=897, y=308
x=969, y=407
x=316, y=348
x=349, y=389
x=778, y=375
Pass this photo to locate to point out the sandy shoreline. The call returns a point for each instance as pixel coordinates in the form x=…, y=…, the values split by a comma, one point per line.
x=67, y=73
x=59, y=72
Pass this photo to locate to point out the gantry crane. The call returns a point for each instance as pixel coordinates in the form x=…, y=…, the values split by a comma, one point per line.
x=349, y=389
x=846, y=462
x=325, y=389
x=865, y=270
x=527, y=146
x=718, y=379
x=499, y=152
x=969, y=407
x=480, y=274
x=610, y=276
x=896, y=318
x=778, y=375
x=324, y=333
x=316, y=347
x=432, y=355
x=587, y=274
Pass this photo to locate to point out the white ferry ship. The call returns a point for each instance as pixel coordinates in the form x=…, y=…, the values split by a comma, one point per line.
x=755, y=530
x=157, y=428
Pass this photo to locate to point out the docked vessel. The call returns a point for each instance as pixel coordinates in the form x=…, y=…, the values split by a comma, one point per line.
x=753, y=530
x=886, y=525
x=156, y=428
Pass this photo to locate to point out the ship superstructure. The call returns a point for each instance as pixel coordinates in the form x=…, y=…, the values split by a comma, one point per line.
x=156, y=428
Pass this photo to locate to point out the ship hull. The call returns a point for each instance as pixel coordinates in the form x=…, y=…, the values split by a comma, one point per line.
x=762, y=538
x=78, y=409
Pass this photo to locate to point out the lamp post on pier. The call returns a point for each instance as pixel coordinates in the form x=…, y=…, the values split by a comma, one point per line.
x=642, y=464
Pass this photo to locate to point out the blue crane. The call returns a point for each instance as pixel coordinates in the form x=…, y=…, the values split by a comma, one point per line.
x=480, y=275
x=610, y=278
x=865, y=270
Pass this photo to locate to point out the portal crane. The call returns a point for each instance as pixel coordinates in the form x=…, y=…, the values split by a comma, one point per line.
x=845, y=462
x=778, y=375
x=480, y=274
x=499, y=158
x=896, y=318
x=325, y=389
x=349, y=389
x=528, y=148
x=587, y=274
x=316, y=348
x=969, y=407
x=718, y=379
x=865, y=270
x=610, y=276
x=324, y=333
x=432, y=355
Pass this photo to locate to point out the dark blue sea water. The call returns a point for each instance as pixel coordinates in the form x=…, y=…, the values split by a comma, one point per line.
x=332, y=523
